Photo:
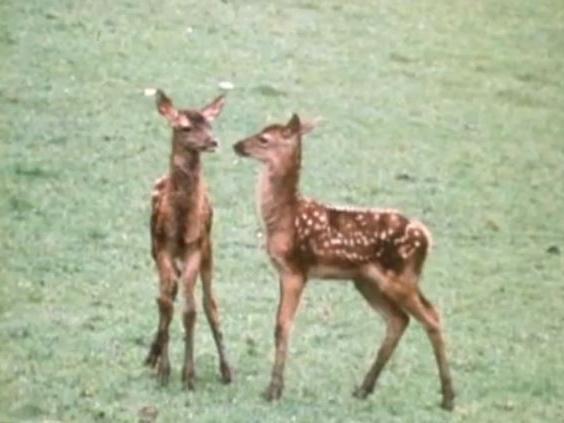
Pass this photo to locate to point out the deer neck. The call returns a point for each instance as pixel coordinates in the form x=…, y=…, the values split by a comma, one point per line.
x=278, y=194
x=186, y=177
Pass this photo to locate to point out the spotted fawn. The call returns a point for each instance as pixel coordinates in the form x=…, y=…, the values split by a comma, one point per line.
x=380, y=250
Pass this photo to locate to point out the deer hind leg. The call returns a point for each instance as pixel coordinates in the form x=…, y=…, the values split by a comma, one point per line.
x=158, y=352
x=420, y=308
x=405, y=291
x=396, y=323
x=212, y=311
x=188, y=280
x=291, y=288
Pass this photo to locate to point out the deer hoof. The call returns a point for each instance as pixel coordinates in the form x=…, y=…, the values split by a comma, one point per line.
x=226, y=373
x=273, y=392
x=447, y=403
x=153, y=356
x=188, y=379
x=361, y=392
x=189, y=385
x=163, y=372
x=151, y=360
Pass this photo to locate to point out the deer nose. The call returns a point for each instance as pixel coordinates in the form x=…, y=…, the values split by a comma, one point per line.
x=214, y=142
x=238, y=147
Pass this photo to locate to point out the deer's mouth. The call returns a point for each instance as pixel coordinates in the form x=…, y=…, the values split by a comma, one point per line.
x=210, y=146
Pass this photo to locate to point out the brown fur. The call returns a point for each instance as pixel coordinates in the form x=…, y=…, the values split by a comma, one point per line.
x=382, y=251
x=181, y=245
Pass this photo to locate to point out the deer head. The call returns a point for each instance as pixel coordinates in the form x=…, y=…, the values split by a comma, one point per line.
x=275, y=142
x=191, y=129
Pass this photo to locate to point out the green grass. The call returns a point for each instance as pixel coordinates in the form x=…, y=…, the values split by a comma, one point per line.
x=450, y=110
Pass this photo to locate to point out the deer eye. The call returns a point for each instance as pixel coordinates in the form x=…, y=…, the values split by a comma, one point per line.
x=262, y=139
x=186, y=128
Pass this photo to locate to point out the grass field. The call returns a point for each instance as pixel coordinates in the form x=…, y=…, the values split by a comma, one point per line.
x=452, y=111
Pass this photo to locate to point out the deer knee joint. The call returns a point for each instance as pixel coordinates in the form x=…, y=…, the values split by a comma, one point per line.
x=209, y=303
x=189, y=314
x=165, y=305
x=281, y=329
x=433, y=329
x=403, y=321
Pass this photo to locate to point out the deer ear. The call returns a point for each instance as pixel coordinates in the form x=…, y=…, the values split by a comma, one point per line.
x=165, y=107
x=308, y=125
x=212, y=110
x=294, y=125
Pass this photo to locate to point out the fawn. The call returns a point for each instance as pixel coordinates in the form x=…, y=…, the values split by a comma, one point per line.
x=181, y=222
x=381, y=251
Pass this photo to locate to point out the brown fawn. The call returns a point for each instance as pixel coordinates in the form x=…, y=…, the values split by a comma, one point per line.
x=381, y=251
x=181, y=222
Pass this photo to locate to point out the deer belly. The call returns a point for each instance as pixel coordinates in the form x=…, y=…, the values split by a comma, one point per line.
x=323, y=271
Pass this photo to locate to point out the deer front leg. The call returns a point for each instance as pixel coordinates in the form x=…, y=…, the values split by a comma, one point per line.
x=158, y=352
x=188, y=281
x=291, y=288
x=212, y=311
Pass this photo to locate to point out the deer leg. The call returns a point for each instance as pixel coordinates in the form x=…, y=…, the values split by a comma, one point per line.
x=158, y=352
x=212, y=311
x=291, y=288
x=188, y=280
x=396, y=323
x=420, y=308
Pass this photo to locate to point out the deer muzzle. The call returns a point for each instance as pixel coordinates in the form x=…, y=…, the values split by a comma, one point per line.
x=211, y=145
x=240, y=149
